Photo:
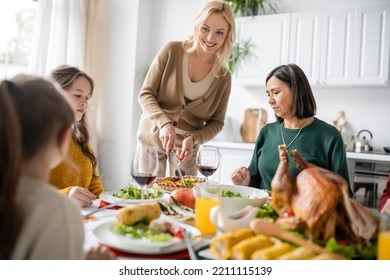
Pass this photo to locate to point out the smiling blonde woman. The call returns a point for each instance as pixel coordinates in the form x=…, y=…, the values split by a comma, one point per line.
x=186, y=91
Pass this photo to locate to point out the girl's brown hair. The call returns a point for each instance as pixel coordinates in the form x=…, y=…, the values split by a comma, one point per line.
x=32, y=111
x=65, y=75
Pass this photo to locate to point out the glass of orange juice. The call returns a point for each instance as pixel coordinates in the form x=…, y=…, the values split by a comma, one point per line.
x=207, y=195
x=384, y=237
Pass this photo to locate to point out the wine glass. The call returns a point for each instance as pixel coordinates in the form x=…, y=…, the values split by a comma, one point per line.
x=144, y=167
x=207, y=160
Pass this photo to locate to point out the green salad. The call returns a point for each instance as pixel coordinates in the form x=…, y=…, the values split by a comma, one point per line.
x=267, y=213
x=230, y=194
x=141, y=230
x=133, y=192
x=353, y=251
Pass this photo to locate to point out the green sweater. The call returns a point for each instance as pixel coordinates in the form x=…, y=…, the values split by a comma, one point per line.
x=319, y=143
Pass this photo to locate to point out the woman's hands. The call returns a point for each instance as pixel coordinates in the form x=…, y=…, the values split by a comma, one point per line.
x=167, y=137
x=241, y=176
x=100, y=252
x=186, y=149
x=83, y=196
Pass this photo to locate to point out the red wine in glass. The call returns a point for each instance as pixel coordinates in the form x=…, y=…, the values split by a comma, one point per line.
x=207, y=160
x=144, y=168
x=144, y=178
x=207, y=170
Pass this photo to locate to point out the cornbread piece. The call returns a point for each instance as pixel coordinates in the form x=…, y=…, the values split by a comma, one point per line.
x=272, y=252
x=300, y=253
x=245, y=248
x=221, y=246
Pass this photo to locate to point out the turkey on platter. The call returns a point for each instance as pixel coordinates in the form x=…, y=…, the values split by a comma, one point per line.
x=319, y=200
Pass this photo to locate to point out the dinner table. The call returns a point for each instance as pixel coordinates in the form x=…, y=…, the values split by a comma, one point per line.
x=96, y=221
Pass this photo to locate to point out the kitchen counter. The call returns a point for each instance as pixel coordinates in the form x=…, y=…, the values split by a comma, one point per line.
x=232, y=145
x=371, y=156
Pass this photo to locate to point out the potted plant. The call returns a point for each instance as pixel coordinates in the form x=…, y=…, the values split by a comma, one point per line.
x=241, y=53
x=244, y=8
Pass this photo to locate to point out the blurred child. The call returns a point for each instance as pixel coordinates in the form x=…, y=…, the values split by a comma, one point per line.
x=35, y=221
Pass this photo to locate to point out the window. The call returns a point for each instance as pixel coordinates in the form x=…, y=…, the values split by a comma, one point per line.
x=17, y=18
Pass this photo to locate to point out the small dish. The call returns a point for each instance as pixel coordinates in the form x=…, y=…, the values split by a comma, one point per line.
x=250, y=196
x=387, y=149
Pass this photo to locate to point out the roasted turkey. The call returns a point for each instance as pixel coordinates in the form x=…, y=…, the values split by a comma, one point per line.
x=319, y=200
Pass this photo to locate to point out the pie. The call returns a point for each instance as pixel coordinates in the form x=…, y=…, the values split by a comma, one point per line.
x=173, y=183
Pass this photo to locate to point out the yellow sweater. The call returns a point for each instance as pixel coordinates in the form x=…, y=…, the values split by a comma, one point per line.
x=75, y=170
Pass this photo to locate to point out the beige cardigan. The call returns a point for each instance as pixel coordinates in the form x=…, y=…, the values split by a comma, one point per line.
x=162, y=100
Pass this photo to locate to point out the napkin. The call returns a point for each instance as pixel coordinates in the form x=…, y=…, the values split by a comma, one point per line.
x=181, y=255
x=105, y=203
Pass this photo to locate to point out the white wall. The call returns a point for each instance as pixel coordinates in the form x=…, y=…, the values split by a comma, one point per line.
x=115, y=75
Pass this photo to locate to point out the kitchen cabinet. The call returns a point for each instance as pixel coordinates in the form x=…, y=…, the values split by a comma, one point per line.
x=338, y=44
x=305, y=44
x=270, y=38
x=372, y=46
x=321, y=44
x=348, y=47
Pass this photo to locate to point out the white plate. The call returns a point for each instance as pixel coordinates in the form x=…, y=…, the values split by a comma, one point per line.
x=206, y=253
x=174, y=218
x=110, y=198
x=106, y=236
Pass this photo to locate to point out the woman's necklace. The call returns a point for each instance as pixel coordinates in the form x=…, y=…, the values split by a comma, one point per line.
x=281, y=132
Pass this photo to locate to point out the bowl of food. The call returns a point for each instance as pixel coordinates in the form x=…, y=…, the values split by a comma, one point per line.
x=235, y=197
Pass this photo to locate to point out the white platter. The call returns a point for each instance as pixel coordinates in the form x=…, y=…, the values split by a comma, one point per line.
x=105, y=235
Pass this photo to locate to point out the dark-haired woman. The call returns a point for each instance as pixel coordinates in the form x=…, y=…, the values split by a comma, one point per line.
x=77, y=176
x=291, y=98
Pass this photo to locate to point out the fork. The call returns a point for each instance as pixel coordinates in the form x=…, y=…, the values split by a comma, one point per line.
x=188, y=238
x=99, y=209
x=177, y=167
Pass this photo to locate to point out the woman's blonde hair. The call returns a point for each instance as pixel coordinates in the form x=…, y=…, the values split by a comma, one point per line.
x=225, y=51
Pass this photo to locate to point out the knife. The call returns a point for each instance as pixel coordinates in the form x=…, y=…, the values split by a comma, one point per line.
x=176, y=165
